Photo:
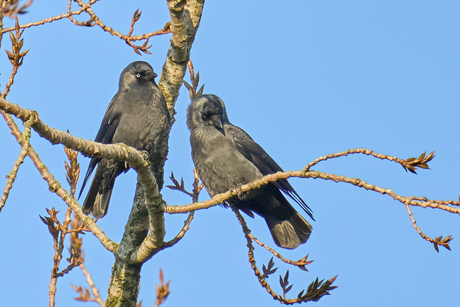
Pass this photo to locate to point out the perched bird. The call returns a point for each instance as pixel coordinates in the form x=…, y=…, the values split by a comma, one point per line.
x=226, y=157
x=137, y=116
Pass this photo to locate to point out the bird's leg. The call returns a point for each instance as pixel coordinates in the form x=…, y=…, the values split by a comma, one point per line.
x=243, y=196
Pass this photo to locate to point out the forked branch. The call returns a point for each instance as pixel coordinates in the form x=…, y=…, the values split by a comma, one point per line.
x=315, y=291
x=197, y=187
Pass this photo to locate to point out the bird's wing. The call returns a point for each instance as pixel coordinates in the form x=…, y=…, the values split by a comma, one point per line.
x=104, y=135
x=110, y=121
x=266, y=165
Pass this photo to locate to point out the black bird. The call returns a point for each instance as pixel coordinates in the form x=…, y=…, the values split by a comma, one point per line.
x=137, y=116
x=226, y=157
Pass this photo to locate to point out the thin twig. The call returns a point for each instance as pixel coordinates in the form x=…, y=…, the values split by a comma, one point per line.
x=315, y=291
x=12, y=9
x=301, y=263
x=162, y=291
x=54, y=277
x=181, y=233
x=94, y=290
x=178, y=186
x=50, y=19
x=406, y=164
x=193, y=89
x=16, y=59
x=94, y=20
x=14, y=172
x=53, y=184
x=436, y=241
x=197, y=187
x=414, y=223
x=60, y=230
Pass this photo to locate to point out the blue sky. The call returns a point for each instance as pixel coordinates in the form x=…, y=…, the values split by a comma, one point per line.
x=304, y=79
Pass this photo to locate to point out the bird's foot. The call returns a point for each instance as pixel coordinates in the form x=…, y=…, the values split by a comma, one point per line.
x=241, y=194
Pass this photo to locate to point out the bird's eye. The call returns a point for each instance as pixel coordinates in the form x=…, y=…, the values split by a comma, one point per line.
x=138, y=75
x=204, y=117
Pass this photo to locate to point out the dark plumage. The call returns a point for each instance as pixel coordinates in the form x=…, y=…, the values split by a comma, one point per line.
x=137, y=116
x=226, y=157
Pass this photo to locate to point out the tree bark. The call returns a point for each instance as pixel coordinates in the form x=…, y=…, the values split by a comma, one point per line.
x=124, y=285
x=185, y=20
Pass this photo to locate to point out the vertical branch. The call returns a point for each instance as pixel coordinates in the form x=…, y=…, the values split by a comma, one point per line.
x=185, y=20
x=59, y=231
x=193, y=89
x=162, y=291
x=124, y=284
x=76, y=243
x=89, y=280
x=1, y=22
x=16, y=57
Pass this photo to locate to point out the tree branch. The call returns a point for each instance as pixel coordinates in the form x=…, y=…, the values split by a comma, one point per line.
x=306, y=173
x=2, y=14
x=119, y=152
x=197, y=187
x=89, y=280
x=51, y=19
x=301, y=263
x=410, y=164
x=25, y=145
x=95, y=20
x=315, y=291
x=185, y=20
x=437, y=241
x=53, y=184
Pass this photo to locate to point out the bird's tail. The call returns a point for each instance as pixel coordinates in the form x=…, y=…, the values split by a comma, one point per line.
x=97, y=202
x=289, y=233
x=98, y=197
x=288, y=228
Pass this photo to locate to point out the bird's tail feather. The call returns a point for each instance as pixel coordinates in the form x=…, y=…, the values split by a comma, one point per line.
x=283, y=233
x=101, y=203
x=287, y=227
x=97, y=202
x=100, y=191
x=289, y=233
x=302, y=228
x=88, y=204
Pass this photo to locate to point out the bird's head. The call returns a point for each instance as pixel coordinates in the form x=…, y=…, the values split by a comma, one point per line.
x=138, y=72
x=207, y=111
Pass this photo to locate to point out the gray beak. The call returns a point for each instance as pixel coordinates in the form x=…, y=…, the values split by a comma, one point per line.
x=216, y=121
x=152, y=75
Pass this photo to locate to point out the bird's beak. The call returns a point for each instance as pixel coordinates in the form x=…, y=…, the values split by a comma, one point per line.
x=216, y=121
x=153, y=75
